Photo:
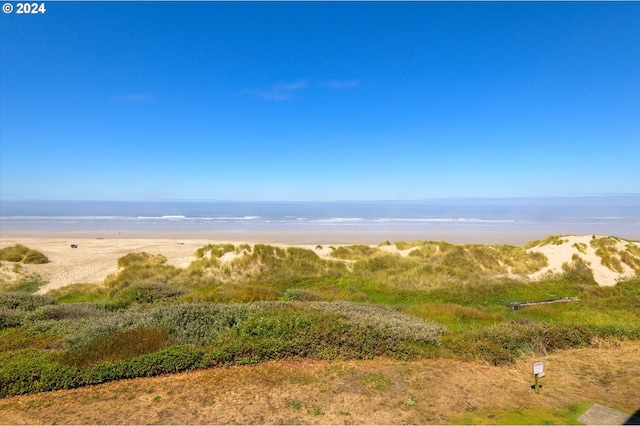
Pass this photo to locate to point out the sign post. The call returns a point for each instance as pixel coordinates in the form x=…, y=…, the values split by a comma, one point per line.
x=538, y=373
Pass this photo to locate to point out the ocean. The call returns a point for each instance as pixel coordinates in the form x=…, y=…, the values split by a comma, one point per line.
x=481, y=220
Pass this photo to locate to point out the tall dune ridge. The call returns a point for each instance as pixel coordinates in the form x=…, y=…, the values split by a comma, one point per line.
x=609, y=259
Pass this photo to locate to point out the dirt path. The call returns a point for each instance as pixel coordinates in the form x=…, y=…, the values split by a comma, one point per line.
x=379, y=391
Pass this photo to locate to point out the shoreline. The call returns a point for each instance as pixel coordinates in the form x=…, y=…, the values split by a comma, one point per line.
x=287, y=236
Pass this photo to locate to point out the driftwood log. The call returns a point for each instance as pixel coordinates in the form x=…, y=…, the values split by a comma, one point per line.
x=544, y=302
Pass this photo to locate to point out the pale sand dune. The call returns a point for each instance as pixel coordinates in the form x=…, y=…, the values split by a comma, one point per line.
x=94, y=259
x=394, y=250
x=559, y=254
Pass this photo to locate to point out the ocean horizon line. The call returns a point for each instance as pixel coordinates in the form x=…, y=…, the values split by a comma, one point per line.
x=380, y=200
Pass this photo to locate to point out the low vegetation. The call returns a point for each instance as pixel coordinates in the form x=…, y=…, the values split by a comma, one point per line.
x=606, y=249
x=21, y=254
x=267, y=303
x=555, y=240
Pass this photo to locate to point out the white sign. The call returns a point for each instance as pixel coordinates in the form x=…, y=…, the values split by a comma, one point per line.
x=538, y=368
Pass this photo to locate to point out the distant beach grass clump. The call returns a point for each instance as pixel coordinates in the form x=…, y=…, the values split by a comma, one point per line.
x=22, y=254
x=246, y=304
x=14, y=276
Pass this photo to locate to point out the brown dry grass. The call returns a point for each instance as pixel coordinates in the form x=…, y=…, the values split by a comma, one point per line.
x=345, y=392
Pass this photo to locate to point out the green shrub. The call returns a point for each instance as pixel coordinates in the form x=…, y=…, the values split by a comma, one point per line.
x=12, y=339
x=294, y=333
x=249, y=293
x=30, y=371
x=57, y=312
x=25, y=302
x=391, y=322
x=502, y=344
x=169, y=360
x=199, y=323
x=301, y=295
x=119, y=345
x=10, y=318
x=145, y=293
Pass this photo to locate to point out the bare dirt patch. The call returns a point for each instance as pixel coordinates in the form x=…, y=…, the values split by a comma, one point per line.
x=380, y=391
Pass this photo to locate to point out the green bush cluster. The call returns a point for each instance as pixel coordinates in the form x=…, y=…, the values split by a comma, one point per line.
x=29, y=371
x=10, y=318
x=502, y=344
x=67, y=311
x=25, y=302
x=392, y=322
x=143, y=342
x=118, y=345
x=145, y=293
x=300, y=294
x=15, y=307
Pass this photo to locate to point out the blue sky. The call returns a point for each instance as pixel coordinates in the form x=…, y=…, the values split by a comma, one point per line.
x=319, y=101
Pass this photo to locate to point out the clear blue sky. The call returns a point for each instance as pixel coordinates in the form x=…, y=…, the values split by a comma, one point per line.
x=319, y=101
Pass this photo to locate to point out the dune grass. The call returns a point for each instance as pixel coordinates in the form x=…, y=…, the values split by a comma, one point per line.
x=608, y=253
x=27, y=283
x=551, y=239
x=268, y=303
x=23, y=254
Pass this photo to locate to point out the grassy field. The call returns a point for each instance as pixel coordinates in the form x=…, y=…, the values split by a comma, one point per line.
x=441, y=302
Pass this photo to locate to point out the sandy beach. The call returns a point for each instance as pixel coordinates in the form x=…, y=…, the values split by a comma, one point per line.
x=291, y=235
